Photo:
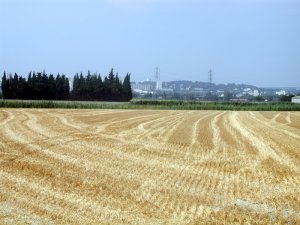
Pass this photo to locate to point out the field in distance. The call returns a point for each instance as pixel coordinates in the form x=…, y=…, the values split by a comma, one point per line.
x=66, y=166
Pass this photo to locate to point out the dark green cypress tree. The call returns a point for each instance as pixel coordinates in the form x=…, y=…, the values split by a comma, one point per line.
x=4, y=86
x=39, y=86
x=111, y=77
x=75, y=86
x=34, y=87
x=14, y=86
x=117, y=89
x=9, y=82
x=81, y=91
x=58, y=87
x=88, y=86
x=45, y=86
x=29, y=84
x=22, y=88
x=106, y=89
x=94, y=85
x=127, y=92
x=99, y=88
x=65, y=87
x=51, y=87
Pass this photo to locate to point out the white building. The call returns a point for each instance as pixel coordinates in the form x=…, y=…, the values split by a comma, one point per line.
x=255, y=93
x=281, y=92
x=248, y=91
x=158, y=84
x=145, y=86
x=296, y=99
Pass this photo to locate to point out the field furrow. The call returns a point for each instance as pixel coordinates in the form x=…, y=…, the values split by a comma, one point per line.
x=149, y=167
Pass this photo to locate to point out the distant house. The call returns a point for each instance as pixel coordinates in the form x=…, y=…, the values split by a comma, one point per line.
x=296, y=99
x=281, y=92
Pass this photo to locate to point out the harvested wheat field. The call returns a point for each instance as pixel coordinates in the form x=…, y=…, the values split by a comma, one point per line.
x=149, y=167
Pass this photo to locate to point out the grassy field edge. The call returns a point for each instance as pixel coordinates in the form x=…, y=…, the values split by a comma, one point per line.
x=153, y=104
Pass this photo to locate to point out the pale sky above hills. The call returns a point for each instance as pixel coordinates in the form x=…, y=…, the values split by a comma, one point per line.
x=255, y=42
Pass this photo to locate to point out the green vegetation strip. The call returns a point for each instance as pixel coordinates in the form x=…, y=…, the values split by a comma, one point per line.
x=154, y=104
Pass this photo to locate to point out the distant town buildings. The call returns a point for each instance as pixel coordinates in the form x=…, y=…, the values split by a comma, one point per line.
x=157, y=78
x=296, y=99
x=145, y=86
x=281, y=92
x=250, y=91
x=158, y=85
x=196, y=90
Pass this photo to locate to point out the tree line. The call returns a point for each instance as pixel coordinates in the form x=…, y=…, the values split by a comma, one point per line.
x=89, y=87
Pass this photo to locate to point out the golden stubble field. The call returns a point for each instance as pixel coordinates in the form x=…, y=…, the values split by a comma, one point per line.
x=149, y=167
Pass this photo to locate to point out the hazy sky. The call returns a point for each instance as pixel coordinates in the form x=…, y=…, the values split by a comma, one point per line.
x=244, y=41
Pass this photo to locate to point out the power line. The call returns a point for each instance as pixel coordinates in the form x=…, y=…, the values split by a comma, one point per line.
x=210, y=79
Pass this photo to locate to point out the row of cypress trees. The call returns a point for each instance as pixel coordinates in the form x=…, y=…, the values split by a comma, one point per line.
x=36, y=86
x=90, y=87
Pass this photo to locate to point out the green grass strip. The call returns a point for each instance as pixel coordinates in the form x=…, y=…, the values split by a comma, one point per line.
x=154, y=104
